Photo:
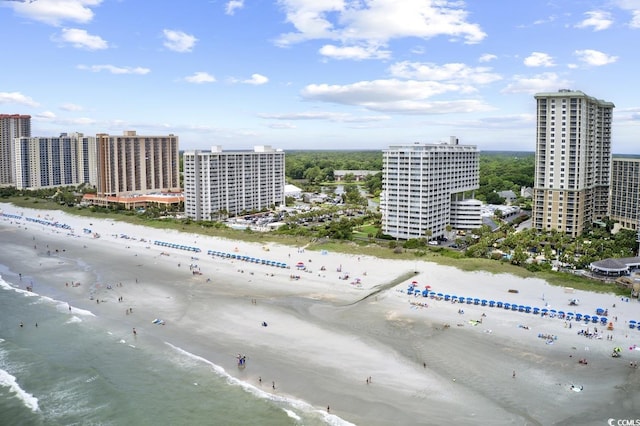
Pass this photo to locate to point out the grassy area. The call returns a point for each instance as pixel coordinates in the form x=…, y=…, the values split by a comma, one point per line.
x=437, y=255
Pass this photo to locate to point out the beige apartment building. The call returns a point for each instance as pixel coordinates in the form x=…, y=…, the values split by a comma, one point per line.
x=572, y=161
x=133, y=164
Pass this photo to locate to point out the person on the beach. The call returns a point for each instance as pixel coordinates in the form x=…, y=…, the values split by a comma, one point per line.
x=273, y=385
x=135, y=333
x=514, y=374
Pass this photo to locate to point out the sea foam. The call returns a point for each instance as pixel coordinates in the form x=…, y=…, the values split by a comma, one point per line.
x=27, y=399
x=298, y=404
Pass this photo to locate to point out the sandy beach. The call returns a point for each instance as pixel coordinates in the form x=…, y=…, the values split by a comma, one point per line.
x=341, y=331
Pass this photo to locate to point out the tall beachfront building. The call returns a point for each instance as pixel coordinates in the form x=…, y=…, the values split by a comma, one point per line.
x=69, y=159
x=419, y=184
x=573, y=158
x=624, y=203
x=11, y=126
x=218, y=183
x=133, y=164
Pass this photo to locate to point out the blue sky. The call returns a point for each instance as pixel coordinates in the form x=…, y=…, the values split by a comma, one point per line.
x=316, y=74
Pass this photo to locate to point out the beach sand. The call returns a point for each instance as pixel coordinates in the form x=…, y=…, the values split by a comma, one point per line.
x=327, y=336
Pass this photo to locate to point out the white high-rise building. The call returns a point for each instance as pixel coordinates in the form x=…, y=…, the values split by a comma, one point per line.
x=419, y=184
x=69, y=159
x=573, y=161
x=11, y=126
x=218, y=184
x=624, y=205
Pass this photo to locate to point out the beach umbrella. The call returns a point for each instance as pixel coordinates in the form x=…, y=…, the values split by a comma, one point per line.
x=414, y=282
x=499, y=304
x=483, y=302
x=469, y=300
x=514, y=307
x=440, y=295
x=521, y=308
x=578, y=317
x=492, y=303
x=447, y=297
x=425, y=293
x=536, y=311
x=527, y=309
x=595, y=319
x=507, y=305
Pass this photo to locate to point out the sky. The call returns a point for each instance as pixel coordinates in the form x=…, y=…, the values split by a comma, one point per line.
x=316, y=74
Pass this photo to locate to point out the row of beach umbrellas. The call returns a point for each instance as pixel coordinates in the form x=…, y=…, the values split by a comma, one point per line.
x=176, y=246
x=426, y=292
x=247, y=258
x=48, y=223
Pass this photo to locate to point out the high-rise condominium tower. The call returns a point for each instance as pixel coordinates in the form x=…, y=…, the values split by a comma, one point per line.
x=134, y=164
x=572, y=165
x=219, y=183
x=69, y=159
x=419, y=184
x=11, y=126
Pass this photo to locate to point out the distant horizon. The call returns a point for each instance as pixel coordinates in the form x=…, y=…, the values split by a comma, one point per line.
x=297, y=74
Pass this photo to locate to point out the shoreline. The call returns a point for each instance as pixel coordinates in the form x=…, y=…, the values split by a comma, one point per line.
x=324, y=339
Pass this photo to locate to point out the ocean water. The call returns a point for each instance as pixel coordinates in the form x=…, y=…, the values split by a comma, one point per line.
x=71, y=369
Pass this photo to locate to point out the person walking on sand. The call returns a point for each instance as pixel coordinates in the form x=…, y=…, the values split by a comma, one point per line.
x=514, y=374
x=273, y=385
x=135, y=333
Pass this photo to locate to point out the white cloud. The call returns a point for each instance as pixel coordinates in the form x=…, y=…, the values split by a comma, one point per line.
x=281, y=126
x=406, y=97
x=324, y=115
x=232, y=5
x=256, y=79
x=487, y=57
x=54, y=12
x=635, y=19
x=115, y=70
x=71, y=107
x=354, y=52
x=80, y=39
x=178, y=41
x=375, y=23
x=200, y=77
x=545, y=82
x=46, y=115
x=539, y=59
x=16, y=98
x=455, y=72
x=597, y=19
x=595, y=57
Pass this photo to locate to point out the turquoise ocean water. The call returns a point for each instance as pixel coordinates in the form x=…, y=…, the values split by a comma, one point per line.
x=71, y=369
